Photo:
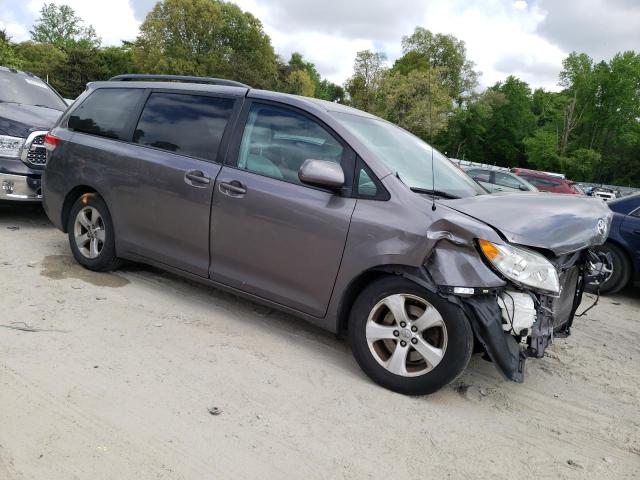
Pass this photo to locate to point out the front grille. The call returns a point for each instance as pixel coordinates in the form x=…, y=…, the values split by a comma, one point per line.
x=37, y=154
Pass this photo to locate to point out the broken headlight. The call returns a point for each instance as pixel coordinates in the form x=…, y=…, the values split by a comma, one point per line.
x=523, y=267
x=10, y=146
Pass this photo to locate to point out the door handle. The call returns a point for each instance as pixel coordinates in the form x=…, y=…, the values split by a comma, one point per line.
x=233, y=188
x=196, y=176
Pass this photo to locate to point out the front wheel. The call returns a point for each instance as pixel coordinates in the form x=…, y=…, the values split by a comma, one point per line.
x=91, y=234
x=408, y=339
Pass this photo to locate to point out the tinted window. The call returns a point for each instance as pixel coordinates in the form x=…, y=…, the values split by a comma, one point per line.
x=506, y=180
x=277, y=141
x=105, y=112
x=186, y=124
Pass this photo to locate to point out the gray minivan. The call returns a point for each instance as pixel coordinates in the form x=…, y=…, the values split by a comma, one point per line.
x=323, y=211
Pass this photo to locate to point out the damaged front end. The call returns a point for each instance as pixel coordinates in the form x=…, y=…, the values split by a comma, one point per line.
x=513, y=323
x=518, y=297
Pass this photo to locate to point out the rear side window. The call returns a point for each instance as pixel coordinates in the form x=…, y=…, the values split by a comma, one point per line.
x=190, y=125
x=105, y=112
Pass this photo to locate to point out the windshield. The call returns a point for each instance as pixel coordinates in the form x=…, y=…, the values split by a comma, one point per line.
x=16, y=88
x=409, y=157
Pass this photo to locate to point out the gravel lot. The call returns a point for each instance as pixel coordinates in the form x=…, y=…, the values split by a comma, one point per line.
x=117, y=384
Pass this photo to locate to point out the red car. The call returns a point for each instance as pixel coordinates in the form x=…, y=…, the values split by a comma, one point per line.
x=547, y=183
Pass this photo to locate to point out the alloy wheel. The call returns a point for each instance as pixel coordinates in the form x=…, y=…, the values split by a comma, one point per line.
x=89, y=232
x=406, y=335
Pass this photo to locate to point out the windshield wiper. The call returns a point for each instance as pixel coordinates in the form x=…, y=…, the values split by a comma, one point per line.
x=437, y=193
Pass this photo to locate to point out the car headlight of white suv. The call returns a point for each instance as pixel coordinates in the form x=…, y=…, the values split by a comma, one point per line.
x=522, y=266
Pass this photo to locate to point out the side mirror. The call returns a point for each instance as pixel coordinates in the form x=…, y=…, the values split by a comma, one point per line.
x=321, y=173
x=523, y=188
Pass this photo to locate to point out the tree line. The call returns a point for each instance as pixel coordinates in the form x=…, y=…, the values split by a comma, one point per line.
x=589, y=130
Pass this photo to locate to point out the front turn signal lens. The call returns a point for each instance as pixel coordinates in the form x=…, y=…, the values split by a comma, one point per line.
x=489, y=249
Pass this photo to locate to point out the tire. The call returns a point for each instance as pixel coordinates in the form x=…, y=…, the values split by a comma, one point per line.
x=91, y=234
x=620, y=269
x=447, y=341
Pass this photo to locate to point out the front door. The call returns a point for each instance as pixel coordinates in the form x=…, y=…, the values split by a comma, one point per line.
x=271, y=235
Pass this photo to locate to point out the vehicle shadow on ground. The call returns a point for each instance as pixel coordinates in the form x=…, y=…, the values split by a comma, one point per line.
x=22, y=213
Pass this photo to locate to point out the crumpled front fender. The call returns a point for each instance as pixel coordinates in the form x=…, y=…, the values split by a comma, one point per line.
x=453, y=259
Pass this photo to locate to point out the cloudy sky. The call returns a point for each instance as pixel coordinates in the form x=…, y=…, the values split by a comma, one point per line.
x=526, y=38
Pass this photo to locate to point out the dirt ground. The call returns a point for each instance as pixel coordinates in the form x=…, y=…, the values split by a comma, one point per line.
x=118, y=381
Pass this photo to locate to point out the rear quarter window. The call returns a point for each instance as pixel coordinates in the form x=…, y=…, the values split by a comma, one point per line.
x=105, y=112
x=185, y=124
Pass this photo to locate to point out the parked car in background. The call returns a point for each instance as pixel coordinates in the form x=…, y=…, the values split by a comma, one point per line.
x=323, y=211
x=605, y=193
x=28, y=109
x=497, y=181
x=619, y=257
x=547, y=183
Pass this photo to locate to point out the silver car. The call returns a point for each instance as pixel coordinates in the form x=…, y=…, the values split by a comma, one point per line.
x=498, y=181
x=323, y=211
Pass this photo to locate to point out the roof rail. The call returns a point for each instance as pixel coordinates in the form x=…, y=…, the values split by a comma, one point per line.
x=177, y=78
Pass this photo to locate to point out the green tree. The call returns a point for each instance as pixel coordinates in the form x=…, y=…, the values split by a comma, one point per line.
x=80, y=65
x=511, y=122
x=207, y=38
x=42, y=59
x=444, y=52
x=60, y=27
x=300, y=83
x=415, y=102
x=323, y=88
x=411, y=61
x=329, y=91
x=8, y=57
x=363, y=87
x=466, y=134
x=604, y=109
x=117, y=60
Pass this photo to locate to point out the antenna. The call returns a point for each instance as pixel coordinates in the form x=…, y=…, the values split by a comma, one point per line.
x=433, y=173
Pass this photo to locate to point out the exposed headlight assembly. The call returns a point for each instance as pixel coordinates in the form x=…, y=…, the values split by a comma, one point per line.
x=10, y=146
x=522, y=266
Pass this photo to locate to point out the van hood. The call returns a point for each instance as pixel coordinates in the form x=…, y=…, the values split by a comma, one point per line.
x=18, y=120
x=556, y=222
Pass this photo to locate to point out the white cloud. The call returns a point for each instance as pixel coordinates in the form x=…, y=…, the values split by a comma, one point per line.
x=501, y=39
x=113, y=20
x=500, y=35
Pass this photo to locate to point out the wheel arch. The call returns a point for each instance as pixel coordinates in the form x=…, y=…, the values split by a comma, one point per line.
x=364, y=279
x=69, y=200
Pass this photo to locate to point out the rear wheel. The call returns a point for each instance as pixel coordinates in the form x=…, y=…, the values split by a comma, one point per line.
x=91, y=234
x=408, y=339
x=613, y=265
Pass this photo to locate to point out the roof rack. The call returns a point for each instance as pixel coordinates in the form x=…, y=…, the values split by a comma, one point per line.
x=177, y=78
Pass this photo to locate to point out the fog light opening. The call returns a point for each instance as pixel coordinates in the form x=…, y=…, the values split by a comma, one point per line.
x=8, y=186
